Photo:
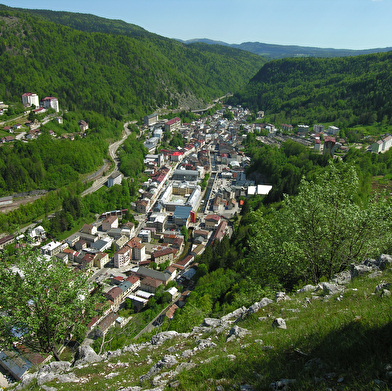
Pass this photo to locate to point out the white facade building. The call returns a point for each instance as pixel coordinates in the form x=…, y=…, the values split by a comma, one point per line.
x=29, y=98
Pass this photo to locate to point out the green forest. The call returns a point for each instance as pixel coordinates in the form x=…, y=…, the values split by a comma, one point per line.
x=115, y=75
x=347, y=91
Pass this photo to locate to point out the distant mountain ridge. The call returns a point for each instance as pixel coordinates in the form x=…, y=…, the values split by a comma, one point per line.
x=283, y=51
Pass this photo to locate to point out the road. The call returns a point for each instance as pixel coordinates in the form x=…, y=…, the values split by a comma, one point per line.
x=113, y=154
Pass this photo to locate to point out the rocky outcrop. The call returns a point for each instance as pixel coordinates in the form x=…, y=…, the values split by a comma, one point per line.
x=85, y=355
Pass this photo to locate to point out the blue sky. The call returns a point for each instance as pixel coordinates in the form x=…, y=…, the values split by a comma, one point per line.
x=340, y=24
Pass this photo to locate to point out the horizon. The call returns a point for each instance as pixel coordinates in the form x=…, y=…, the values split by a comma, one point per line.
x=327, y=24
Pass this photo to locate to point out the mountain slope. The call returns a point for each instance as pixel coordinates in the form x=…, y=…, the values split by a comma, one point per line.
x=111, y=73
x=283, y=51
x=334, y=337
x=349, y=90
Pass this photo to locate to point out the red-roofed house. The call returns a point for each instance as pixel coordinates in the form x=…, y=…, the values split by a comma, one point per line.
x=109, y=223
x=184, y=263
x=115, y=295
x=173, y=124
x=161, y=256
x=212, y=221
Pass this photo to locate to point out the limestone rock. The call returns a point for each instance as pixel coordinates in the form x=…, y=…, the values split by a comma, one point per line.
x=377, y=273
x=381, y=287
x=166, y=362
x=330, y=289
x=359, y=270
x=204, y=344
x=85, y=354
x=283, y=384
x=55, y=367
x=211, y=322
x=307, y=288
x=384, y=260
x=162, y=337
x=342, y=278
x=279, y=323
x=236, y=332
x=281, y=296
x=235, y=314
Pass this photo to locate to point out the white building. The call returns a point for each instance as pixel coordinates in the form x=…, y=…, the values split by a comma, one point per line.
x=29, y=99
x=115, y=179
x=51, y=102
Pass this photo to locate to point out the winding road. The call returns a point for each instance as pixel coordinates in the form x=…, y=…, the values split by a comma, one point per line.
x=98, y=183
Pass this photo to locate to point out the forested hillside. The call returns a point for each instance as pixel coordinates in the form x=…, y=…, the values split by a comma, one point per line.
x=347, y=91
x=113, y=74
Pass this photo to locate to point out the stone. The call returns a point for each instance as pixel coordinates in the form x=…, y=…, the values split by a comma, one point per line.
x=84, y=355
x=231, y=357
x=204, y=344
x=381, y=287
x=281, y=296
x=166, y=362
x=47, y=377
x=342, y=278
x=26, y=380
x=283, y=384
x=306, y=288
x=262, y=303
x=386, y=293
x=279, y=323
x=47, y=388
x=236, y=332
x=373, y=263
x=162, y=337
x=330, y=289
x=377, y=273
x=55, y=367
x=384, y=260
x=359, y=270
x=211, y=322
x=235, y=314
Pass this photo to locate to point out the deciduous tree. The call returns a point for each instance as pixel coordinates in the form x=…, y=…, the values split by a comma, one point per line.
x=42, y=304
x=322, y=230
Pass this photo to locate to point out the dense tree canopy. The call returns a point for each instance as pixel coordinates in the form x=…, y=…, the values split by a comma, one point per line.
x=347, y=90
x=320, y=231
x=43, y=303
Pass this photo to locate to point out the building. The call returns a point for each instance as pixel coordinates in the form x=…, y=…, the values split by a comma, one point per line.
x=122, y=257
x=83, y=125
x=100, y=260
x=52, y=248
x=318, y=128
x=329, y=146
x=160, y=256
x=173, y=124
x=150, y=119
x=185, y=175
x=6, y=240
x=51, y=102
x=89, y=229
x=29, y=99
x=212, y=221
x=109, y=223
x=303, y=130
x=332, y=130
x=114, y=179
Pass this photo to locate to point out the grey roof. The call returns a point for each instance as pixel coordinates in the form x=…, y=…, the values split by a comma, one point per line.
x=153, y=273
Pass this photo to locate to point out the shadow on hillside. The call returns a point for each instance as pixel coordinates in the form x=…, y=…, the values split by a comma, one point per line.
x=355, y=353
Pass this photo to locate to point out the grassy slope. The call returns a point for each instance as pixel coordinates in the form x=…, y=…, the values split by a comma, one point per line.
x=349, y=341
